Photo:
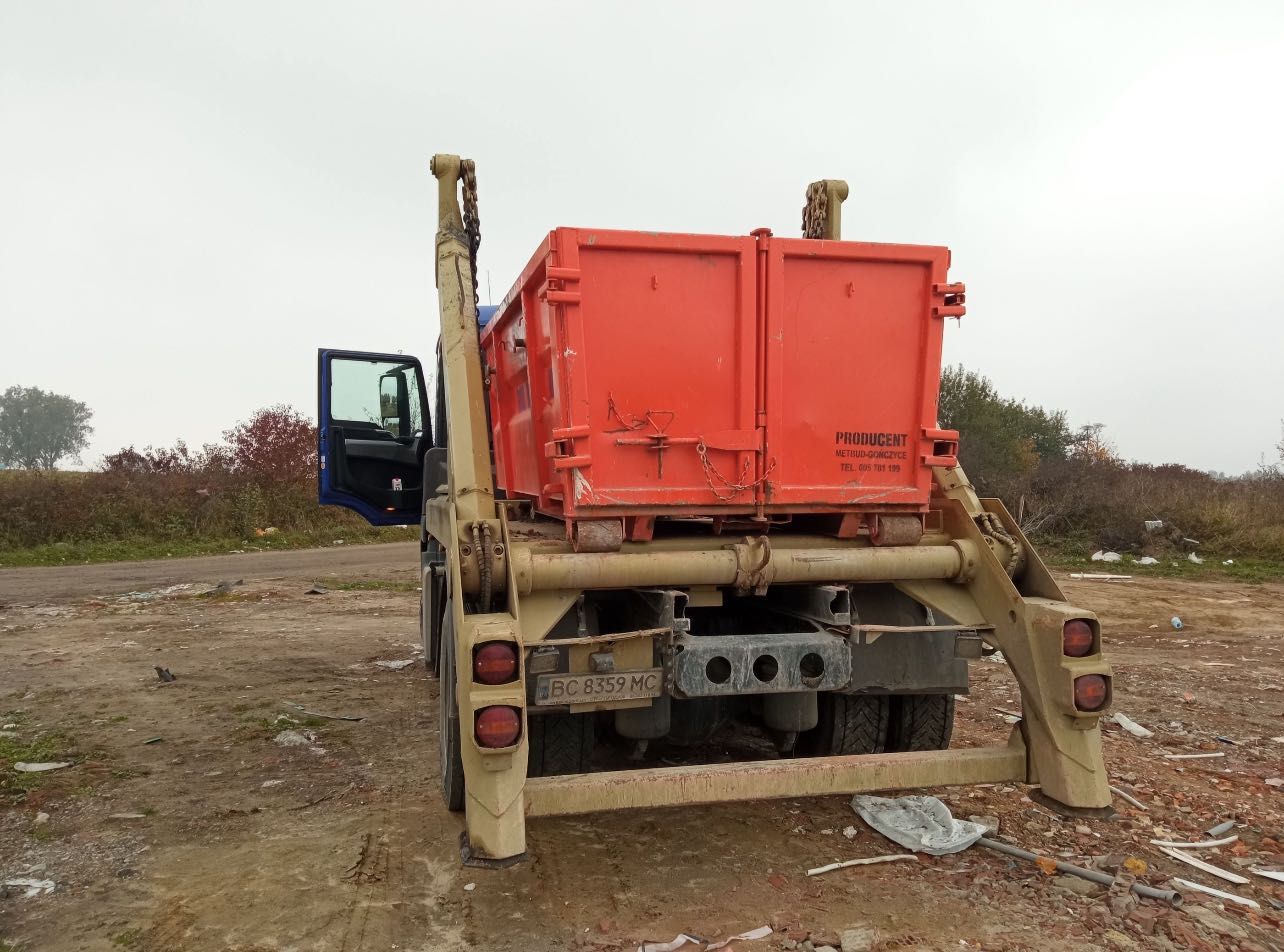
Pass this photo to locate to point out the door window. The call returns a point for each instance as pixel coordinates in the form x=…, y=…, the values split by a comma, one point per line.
x=383, y=396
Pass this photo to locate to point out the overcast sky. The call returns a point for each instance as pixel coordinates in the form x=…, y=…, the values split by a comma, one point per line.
x=194, y=197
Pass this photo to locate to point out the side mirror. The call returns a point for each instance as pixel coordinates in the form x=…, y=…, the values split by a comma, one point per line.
x=394, y=404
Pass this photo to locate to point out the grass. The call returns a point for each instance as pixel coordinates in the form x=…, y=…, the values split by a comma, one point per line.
x=15, y=785
x=1247, y=569
x=128, y=939
x=374, y=585
x=129, y=550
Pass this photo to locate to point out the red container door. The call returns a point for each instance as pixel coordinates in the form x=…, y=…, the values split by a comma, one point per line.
x=654, y=355
x=852, y=372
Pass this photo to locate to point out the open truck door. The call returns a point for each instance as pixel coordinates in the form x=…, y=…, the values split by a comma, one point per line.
x=374, y=432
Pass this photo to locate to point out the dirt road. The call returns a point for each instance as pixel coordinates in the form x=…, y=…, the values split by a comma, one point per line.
x=186, y=824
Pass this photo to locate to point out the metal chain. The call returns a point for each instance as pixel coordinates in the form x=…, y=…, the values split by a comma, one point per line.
x=815, y=211
x=483, y=565
x=732, y=489
x=472, y=219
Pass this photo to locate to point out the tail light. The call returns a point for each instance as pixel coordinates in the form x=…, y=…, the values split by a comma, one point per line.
x=1076, y=638
x=1090, y=692
x=498, y=726
x=495, y=662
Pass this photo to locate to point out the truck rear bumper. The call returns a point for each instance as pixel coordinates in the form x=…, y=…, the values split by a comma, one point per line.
x=724, y=783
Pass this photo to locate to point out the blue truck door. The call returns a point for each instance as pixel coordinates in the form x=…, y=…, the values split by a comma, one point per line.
x=373, y=430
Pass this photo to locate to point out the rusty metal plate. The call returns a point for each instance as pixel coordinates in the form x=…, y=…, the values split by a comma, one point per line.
x=595, y=688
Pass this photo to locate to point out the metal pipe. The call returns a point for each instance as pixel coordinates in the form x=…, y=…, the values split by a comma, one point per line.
x=1170, y=896
x=545, y=571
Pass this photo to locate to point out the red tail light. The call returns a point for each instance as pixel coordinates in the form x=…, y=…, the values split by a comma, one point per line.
x=1090, y=692
x=495, y=662
x=498, y=726
x=1076, y=638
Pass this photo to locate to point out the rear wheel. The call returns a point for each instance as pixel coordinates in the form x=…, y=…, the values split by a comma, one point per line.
x=559, y=744
x=848, y=724
x=921, y=722
x=451, y=759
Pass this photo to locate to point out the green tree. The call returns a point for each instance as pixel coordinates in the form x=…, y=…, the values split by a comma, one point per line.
x=1001, y=441
x=38, y=428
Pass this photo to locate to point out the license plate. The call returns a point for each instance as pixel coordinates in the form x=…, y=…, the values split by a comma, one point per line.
x=592, y=688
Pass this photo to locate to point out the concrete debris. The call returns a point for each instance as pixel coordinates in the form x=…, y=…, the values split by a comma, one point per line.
x=1153, y=525
x=22, y=767
x=1073, y=884
x=169, y=591
x=41, y=819
x=849, y=832
x=1100, y=556
x=396, y=665
x=990, y=823
x=862, y=939
x=1274, y=781
x=294, y=738
x=223, y=587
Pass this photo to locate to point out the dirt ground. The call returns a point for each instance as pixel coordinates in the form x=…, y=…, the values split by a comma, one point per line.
x=183, y=824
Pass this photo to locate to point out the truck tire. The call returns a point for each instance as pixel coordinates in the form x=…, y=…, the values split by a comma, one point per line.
x=451, y=759
x=921, y=722
x=431, y=604
x=559, y=744
x=849, y=724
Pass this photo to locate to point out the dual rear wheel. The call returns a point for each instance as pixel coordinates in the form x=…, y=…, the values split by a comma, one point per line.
x=879, y=723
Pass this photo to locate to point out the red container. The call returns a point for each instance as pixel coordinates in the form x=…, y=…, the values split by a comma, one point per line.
x=641, y=374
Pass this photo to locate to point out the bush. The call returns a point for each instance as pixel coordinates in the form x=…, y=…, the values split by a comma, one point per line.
x=1071, y=487
x=263, y=475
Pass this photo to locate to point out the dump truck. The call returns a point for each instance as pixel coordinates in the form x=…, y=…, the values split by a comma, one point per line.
x=675, y=481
